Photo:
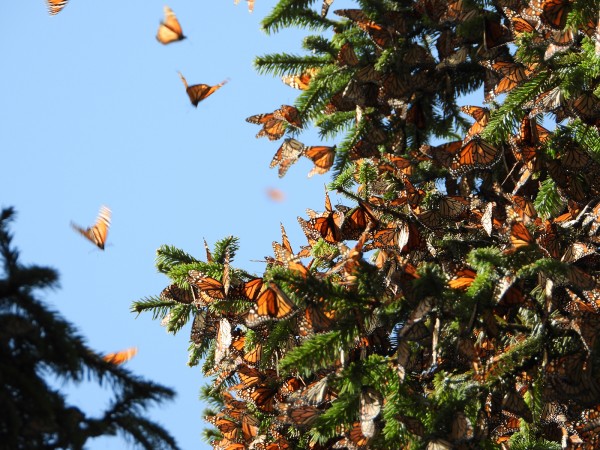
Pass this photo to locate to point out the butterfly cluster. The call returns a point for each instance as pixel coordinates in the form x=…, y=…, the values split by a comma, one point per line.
x=465, y=269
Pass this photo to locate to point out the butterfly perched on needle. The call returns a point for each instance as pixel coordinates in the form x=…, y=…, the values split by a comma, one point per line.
x=169, y=29
x=55, y=6
x=97, y=233
x=198, y=92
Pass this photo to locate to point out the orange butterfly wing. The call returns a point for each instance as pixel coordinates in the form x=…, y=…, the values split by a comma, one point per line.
x=55, y=6
x=120, y=357
x=199, y=92
x=169, y=30
x=97, y=233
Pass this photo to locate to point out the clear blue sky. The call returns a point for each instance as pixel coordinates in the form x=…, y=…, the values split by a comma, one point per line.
x=93, y=112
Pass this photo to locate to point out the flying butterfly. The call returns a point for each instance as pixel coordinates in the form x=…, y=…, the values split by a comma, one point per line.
x=250, y=5
x=97, y=233
x=120, y=357
x=322, y=156
x=55, y=6
x=286, y=155
x=169, y=30
x=198, y=92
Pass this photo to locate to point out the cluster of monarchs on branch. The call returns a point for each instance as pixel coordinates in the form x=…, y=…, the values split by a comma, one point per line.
x=455, y=302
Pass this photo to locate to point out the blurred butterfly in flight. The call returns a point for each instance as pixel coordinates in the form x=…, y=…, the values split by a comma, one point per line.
x=169, y=30
x=97, y=233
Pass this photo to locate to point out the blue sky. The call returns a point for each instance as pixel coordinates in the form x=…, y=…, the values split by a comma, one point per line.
x=93, y=112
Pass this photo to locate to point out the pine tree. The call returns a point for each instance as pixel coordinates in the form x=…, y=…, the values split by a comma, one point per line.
x=454, y=302
x=38, y=346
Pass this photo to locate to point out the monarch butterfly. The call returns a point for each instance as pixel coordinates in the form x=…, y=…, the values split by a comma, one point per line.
x=513, y=75
x=204, y=326
x=524, y=207
x=506, y=429
x=274, y=194
x=55, y=6
x=325, y=7
x=575, y=159
x=513, y=405
x=518, y=24
x=176, y=294
x=274, y=123
x=463, y=279
x=322, y=156
x=356, y=221
x=475, y=154
x=585, y=106
x=461, y=427
x=169, y=30
x=271, y=304
x=315, y=319
x=487, y=218
x=301, y=81
x=550, y=101
x=454, y=59
x=391, y=238
x=262, y=395
x=227, y=427
x=209, y=288
x=304, y=416
x=120, y=357
x=452, y=206
x=494, y=33
x=442, y=154
x=199, y=92
x=481, y=116
x=554, y=13
x=250, y=377
x=561, y=41
x=328, y=224
x=378, y=34
x=97, y=233
x=370, y=403
x=250, y=9
x=223, y=340
x=251, y=356
x=520, y=236
x=347, y=56
x=286, y=155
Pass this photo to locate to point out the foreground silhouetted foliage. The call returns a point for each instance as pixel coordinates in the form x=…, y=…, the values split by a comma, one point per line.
x=39, y=348
x=453, y=302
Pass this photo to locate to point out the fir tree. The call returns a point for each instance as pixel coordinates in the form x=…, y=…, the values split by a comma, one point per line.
x=454, y=302
x=38, y=346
